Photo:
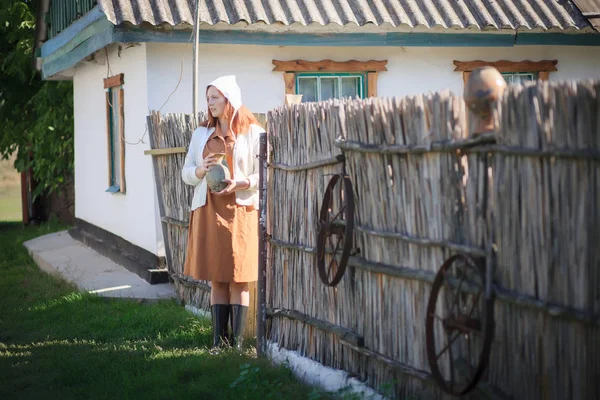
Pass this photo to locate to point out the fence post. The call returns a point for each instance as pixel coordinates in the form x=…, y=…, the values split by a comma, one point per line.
x=261, y=315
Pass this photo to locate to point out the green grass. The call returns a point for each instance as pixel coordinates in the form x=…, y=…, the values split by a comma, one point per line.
x=57, y=343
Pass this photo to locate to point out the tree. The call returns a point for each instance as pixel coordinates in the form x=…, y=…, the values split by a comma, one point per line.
x=36, y=116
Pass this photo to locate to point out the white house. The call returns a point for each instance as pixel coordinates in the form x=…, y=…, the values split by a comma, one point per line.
x=316, y=48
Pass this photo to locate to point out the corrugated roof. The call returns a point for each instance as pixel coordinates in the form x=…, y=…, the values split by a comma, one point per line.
x=590, y=10
x=477, y=14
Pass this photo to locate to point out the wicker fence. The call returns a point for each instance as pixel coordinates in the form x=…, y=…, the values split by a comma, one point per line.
x=525, y=197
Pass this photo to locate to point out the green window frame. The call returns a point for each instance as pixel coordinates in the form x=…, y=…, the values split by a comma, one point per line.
x=115, y=133
x=516, y=77
x=338, y=85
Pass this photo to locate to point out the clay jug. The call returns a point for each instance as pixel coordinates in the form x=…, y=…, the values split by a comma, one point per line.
x=484, y=87
x=216, y=174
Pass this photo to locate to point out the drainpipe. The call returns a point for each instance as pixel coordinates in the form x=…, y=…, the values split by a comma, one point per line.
x=41, y=32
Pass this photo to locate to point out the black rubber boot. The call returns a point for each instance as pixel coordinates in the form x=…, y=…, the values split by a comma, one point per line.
x=220, y=319
x=238, y=323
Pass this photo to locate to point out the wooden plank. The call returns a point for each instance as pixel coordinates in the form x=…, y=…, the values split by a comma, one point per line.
x=260, y=311
x=442, y=146
x=372, y=84
x=95, y=29
x=122, y=188
x=166, y=151
x=173, y=221
x=466, y=75
x=108, y=137
x=250, y=329
x=307, y=166
x=424, y=241
x=404, y=368
x=508, y=66
x=290, y=82
x=116, y=80
x=56, y=63
x=329, y=66
x=344, y=333
x=392, y=270
x=57, y=42
x=189, y=281
x=361, y=263
x=543, y=75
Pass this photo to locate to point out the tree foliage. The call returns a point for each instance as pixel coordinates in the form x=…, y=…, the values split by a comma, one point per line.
x=36, y=117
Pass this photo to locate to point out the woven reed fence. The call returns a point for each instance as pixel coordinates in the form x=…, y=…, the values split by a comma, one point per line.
x=170, y=135
x=426, y=190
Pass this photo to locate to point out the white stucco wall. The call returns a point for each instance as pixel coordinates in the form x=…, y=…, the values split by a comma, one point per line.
x=411, y=70
x=132, y=215
x=152, y=72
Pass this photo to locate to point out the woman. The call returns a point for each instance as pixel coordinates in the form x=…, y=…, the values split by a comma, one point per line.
x=223, y=229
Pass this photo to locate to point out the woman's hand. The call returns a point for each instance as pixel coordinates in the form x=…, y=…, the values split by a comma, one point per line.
x=233, y=186
x=208, y=162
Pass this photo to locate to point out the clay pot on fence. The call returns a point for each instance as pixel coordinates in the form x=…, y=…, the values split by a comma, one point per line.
x=483, y=89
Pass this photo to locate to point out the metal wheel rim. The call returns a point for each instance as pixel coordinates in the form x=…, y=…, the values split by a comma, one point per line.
x=487, y=328
x=348, y=230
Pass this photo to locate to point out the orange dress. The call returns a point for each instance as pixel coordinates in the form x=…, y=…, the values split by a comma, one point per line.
x=222, y=235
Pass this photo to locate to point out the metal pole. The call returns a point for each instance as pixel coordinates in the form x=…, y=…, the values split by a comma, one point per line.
x=195, y=62
x=261, y=315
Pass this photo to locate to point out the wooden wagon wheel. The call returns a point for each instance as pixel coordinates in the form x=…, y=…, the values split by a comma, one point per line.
x=335, y=229
x=459, y=325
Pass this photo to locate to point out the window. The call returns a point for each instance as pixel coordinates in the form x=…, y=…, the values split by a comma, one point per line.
x=115, y=133
x=519, y=77
x=318, y=87
x=327, y=79
x=513, y=71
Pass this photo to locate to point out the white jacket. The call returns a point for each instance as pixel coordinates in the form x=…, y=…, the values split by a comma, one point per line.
x=245, y=159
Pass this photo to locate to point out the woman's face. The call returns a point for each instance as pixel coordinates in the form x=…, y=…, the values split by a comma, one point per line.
x=216, y=102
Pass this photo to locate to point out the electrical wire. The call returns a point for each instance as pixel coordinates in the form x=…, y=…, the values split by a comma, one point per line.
x=109, y=73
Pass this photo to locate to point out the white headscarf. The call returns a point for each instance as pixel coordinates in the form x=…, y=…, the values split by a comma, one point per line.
x=230, y=89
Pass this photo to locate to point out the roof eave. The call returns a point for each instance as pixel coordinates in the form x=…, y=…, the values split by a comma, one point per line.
x=93, y=32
